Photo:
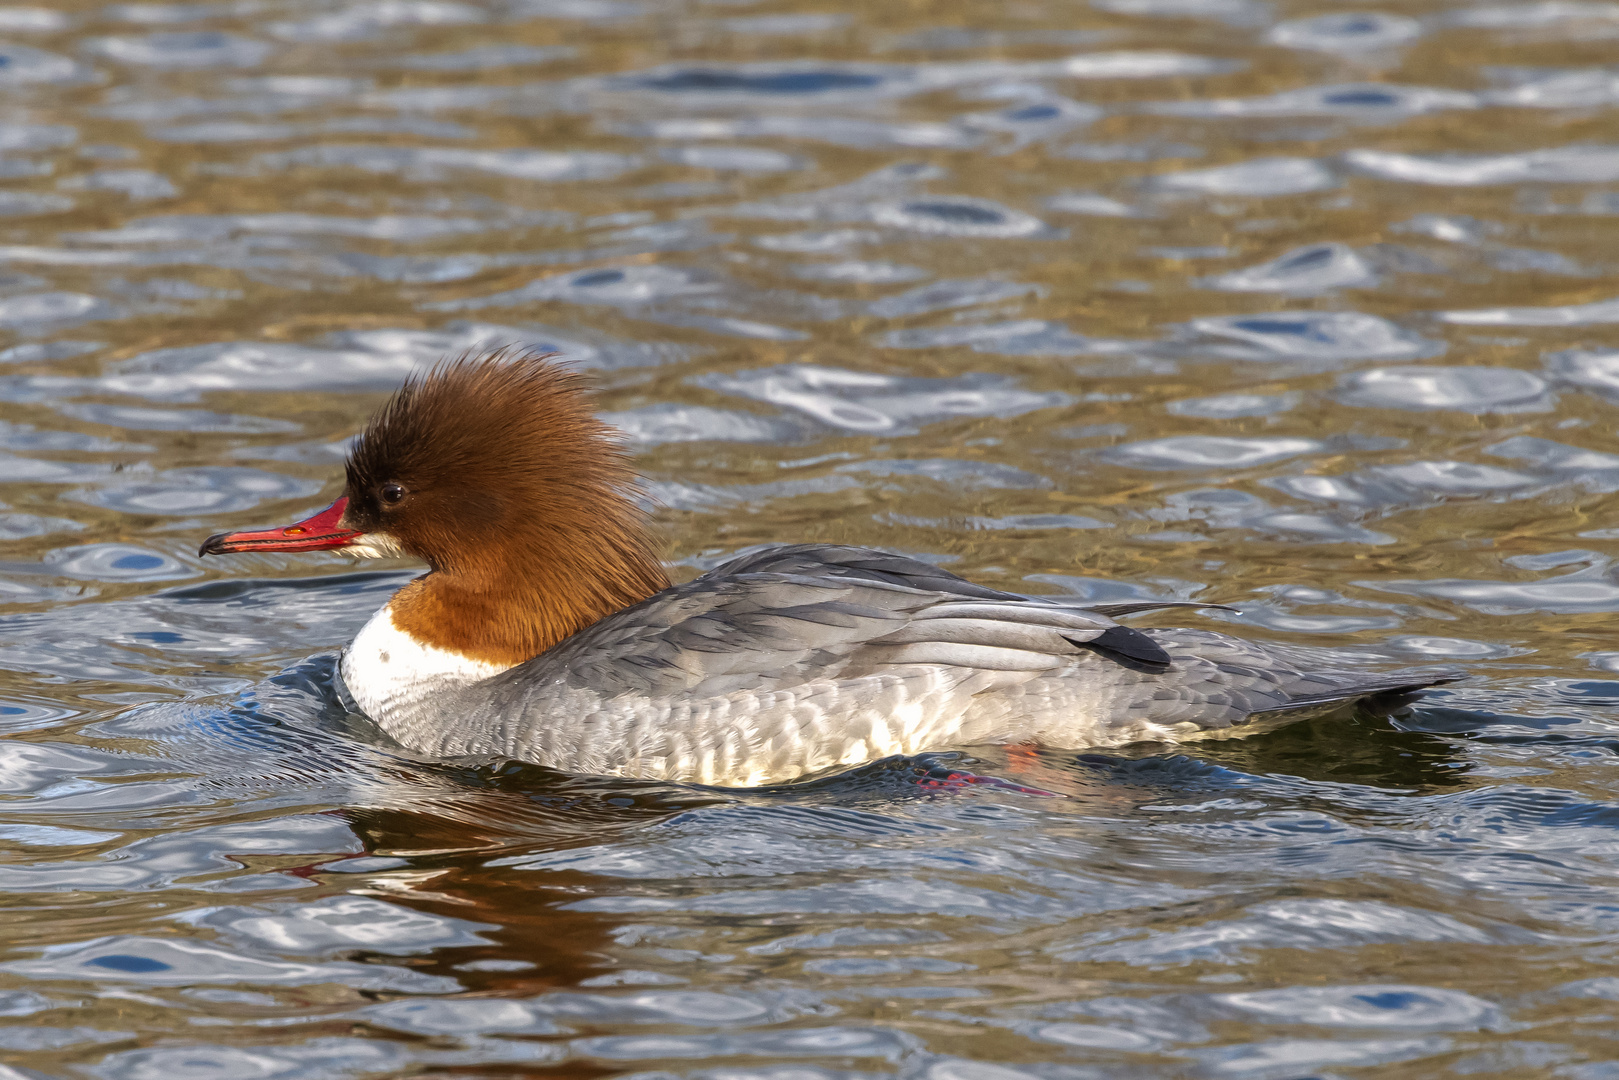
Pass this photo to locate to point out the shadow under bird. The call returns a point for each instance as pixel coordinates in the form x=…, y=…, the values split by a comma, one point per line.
x=546, y=629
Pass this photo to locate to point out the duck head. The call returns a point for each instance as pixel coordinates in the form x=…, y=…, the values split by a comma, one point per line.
x=495, y=471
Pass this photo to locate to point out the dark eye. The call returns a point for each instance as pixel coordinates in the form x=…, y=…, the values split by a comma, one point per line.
x=392, y=493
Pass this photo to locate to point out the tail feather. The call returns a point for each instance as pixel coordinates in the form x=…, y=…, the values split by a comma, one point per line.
x=1136, y=607
x=1382, y=693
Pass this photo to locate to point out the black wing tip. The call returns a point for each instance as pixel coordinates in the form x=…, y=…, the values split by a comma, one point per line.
x=1124, y=644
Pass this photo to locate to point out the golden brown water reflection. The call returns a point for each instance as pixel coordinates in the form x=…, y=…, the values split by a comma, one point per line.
x=1305, y=310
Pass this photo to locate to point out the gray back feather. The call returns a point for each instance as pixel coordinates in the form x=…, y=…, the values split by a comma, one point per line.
x=814, y=611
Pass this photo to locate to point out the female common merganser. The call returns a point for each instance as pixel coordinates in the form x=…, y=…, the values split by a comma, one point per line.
x=547, y=631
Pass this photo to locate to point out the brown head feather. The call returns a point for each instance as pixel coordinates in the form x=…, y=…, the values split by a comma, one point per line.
x=495, y=471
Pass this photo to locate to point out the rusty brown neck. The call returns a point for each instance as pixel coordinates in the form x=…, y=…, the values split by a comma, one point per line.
x=505, y=607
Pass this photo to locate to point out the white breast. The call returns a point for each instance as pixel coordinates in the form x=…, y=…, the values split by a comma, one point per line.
x=393, y=677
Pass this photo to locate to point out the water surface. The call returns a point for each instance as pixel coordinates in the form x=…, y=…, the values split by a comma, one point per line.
x=1309, y=311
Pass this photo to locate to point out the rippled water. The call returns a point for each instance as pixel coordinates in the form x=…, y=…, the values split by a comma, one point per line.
x=1310, y=312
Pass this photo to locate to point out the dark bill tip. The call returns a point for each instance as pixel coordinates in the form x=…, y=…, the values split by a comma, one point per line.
x=321, y=532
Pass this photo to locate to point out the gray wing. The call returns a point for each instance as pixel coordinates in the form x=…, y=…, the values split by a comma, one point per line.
x=836, y=562
x=787, y=614
x=817, y=611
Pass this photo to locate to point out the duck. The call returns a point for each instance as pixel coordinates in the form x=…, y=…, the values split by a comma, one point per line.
x=547, y=630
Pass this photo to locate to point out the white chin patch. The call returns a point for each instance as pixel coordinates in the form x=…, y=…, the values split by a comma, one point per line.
x=375, y=545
